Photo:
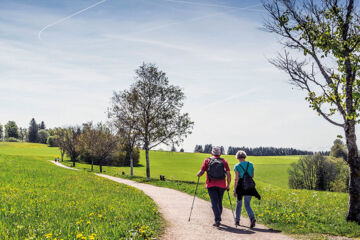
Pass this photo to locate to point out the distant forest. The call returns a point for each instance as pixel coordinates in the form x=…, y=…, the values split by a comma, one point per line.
x=258, y=151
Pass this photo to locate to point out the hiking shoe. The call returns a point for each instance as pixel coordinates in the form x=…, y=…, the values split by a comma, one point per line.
x=252, y=224
x=237, y=223
x=216, y=224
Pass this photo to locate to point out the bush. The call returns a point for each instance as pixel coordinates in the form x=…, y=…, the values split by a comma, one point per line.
x=121, y=157
x=341, y=183
x=316, y=172
x=52, y=141
x=12, y=139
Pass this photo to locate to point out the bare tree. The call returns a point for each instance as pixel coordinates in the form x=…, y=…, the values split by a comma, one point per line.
x=123, y=113
x=153, y=109
x=70, y=142
x=327, y=35
x=59, y=134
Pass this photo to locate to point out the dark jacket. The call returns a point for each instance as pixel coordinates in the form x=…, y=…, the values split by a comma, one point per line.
x=241, y=192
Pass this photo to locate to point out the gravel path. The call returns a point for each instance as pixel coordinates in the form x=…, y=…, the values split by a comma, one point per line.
x=175, y=208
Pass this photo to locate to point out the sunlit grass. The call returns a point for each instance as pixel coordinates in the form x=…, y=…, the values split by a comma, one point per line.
x=39, y=200
x=292, y=211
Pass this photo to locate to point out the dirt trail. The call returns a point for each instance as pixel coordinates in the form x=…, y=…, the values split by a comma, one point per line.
x=175, y=208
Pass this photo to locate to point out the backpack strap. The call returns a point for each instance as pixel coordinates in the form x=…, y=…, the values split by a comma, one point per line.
x=247, y=167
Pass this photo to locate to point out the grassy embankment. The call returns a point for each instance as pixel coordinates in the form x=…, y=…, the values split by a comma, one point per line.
x=292, y=211
x=39, y=200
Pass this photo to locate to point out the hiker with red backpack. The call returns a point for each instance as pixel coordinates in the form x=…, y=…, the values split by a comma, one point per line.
x=218, y=180
x=244, y=187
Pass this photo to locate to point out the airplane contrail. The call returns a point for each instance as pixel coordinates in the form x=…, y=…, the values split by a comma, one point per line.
x=68, y=17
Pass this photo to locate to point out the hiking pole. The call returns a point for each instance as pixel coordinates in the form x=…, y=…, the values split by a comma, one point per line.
x=231, y=207
x=194, y=197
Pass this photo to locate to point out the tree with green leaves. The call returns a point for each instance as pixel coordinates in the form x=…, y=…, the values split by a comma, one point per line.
x=11, y=130
x=98, y=142
x=327, y=32
x=43, y=136
x=1, y=132
x=33, y=131
x=59, y=134
x=23, y=134
x=338, y=150
x=198, y=148
x=157, y=110
x=42, y=125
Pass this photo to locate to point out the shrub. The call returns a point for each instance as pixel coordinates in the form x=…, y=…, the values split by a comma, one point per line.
x=52, y=141
x=316, y=172
x=121, y=157
x=12, y=139
x=43, y=136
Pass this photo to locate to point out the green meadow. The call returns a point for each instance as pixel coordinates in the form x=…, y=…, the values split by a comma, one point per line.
x=39, y=200
x=291, y=211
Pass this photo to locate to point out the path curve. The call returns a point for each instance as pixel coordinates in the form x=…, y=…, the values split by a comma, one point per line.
x=175, y=208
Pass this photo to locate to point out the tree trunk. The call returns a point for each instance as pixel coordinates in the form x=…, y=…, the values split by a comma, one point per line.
x=147, y=163
x=131, y=164
x=73, y=162
x=354, y=164
x=92, y=164
x=100, y=167
x=62, y=155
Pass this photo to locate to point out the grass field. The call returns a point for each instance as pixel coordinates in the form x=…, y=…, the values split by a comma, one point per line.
x=184, y=166
x=292, y=211
x=39, y=200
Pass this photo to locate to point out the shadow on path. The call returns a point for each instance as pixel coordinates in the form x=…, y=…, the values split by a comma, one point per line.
x=224, y=227
x=270, y=230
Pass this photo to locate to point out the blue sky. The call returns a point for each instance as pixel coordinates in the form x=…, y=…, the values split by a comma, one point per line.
x=213, y=49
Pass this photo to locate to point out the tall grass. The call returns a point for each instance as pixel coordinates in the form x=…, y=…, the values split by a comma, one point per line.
x=39, y=200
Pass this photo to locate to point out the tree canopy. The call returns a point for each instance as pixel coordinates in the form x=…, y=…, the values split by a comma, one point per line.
x=154, y=106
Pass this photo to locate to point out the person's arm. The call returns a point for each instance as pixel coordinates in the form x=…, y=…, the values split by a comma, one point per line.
x=236, y=182
x=203, y=168
x=228, y=178
x=200, y=173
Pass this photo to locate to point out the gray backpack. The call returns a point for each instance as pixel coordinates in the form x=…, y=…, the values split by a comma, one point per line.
x=216, y=168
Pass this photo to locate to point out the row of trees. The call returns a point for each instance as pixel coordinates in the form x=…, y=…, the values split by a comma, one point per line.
x=258, y=151
x=207, y=149
x=270, y=151
x=36, y=133
x=95, y=144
